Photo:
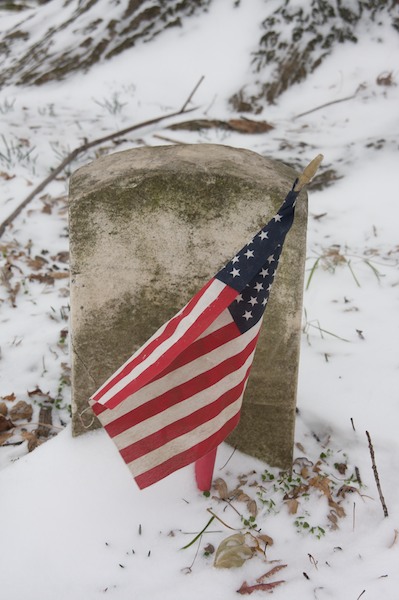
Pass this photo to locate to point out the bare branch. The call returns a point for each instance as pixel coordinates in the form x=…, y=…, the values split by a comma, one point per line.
x=86, y=146
x=376, y=477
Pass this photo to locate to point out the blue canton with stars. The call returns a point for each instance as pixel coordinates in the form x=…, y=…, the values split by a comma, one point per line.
x=251, y=271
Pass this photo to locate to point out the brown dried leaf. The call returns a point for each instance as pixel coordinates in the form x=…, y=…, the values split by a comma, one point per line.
x=6, y=176
x=252, y=507
x=62, y=256
x=9, y=397
x=3, y=409
x=292, y=505
x=4, y=437
x=38, y=394
x=321, y=483
x=341, y=468
x=265, y=538
x=337, y=508
x=249, y=126
x=31, y=438
x=346, y=489
x=264, y=587
x=5, y=424
x=221, y=488
x=239, y=495
x=36, y=263
x=21, y=410
x=270, y=573
x=49, y=277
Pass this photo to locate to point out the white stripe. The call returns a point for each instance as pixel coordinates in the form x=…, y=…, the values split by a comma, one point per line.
x=180, y=375
x=182, y=409
x=185, y=442
x=208, y=298
x=222, y=320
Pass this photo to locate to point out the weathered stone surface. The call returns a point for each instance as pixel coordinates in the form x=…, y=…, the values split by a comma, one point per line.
x=148, y=227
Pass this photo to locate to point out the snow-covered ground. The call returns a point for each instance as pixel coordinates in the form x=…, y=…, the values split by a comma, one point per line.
x=74, y=524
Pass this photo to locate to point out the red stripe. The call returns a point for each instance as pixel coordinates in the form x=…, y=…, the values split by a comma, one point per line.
x=184, y=425
x=98, y=408
x=199, y=326
x=188, y=456
x=181, y=392
x=167, y=332
x=203, y=346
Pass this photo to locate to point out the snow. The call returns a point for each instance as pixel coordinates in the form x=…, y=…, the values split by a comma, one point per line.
x=71, y=514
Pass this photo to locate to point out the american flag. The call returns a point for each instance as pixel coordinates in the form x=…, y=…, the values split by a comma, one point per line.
x=179, y=396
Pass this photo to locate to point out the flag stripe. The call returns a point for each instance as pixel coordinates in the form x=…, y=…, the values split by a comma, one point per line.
x=179, y=393
x=178, y=376
x=159, y=336
x=203, y=345
x=194, y=324
x=186, y=456
x=180, y=410
x=184, y=425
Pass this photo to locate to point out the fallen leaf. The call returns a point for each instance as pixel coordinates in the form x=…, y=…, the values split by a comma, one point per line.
x=292, y=505
x=221, y=488
x=21, y=410
x=5, y=424
x=232, y=552
x=9, y=397
x=265, y=538
x=341, y=468
x=37, y=393
x=259, y=587
x=4, y=437
x=270, y=573
x=32, y=440
x=6, y=176
x=252, y=507
x=249, y=126
x=36, y=263
x=3, y=409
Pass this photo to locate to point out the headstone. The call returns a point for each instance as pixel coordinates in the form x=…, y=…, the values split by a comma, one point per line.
x=148, y=228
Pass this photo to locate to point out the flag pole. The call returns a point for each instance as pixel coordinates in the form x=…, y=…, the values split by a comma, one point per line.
x=204, y=466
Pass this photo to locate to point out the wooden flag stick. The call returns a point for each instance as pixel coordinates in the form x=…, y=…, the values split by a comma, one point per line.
x=308, y=173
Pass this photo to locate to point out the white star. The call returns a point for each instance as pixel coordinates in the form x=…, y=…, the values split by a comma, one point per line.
x=277, y=218
x=253, y=301
x=235, y=273
x=249, y=254
x=269, y=288
x=239, y=298
x=247, y=315
x=258, y=287
x=235, y=259
x=264, y=272
x=270, y=259
x=264, y=301
x=263, y=235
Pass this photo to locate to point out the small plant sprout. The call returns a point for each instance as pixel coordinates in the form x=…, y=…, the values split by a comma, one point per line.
x=331, y=258
x=112, y=105
x=7, y=106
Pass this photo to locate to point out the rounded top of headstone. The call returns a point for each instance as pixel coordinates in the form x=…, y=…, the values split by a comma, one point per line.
x=210, y=159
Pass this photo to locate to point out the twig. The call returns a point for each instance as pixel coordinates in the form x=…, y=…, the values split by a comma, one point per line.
x=376, y=477
x=324, y=105
x=183, y=108
x=86, y=146
x=229, y=459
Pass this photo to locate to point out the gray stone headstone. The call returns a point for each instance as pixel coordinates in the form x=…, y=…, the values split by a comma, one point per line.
x=148, y=228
